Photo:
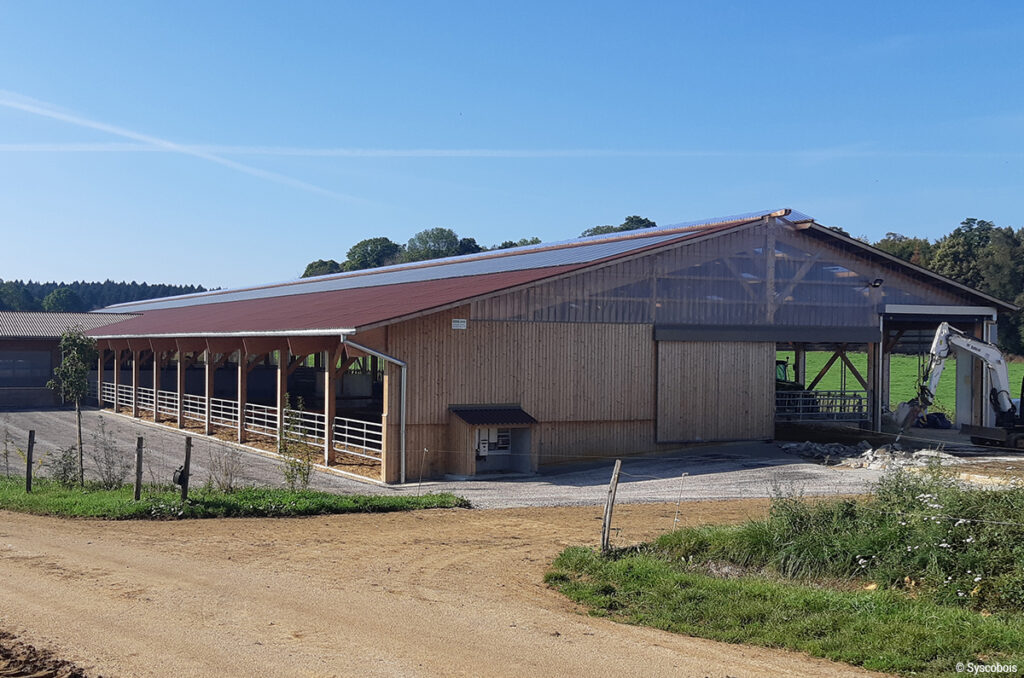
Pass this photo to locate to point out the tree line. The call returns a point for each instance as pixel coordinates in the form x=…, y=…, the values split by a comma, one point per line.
x=978, y=254
x=435, y=243
x=17, y=295
x=432, y=243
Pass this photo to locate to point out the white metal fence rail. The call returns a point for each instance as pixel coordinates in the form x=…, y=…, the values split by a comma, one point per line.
x=261, y=420
x=304, y=427
x=124, y=395
x=351, y=436
x=821, y=406
x=358, y=438
x=224, y=412
x=146, y=399
x=167, y=402
x=194, y=407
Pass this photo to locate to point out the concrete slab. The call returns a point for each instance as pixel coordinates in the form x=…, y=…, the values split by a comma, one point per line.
x=735, y=470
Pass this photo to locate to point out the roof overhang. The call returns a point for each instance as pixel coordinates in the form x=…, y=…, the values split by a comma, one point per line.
x=920, y=270
x=339, y=332
x=988, y=312
x=492, y=415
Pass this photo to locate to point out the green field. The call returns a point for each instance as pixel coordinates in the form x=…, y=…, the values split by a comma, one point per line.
x=903, y=377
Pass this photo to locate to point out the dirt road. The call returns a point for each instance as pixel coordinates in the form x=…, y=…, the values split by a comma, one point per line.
x=431, y=593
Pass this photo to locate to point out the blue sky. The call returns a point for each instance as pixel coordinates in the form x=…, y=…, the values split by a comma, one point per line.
x=231, y=143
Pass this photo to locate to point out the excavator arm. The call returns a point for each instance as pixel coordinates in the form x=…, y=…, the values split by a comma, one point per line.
x=947, y=339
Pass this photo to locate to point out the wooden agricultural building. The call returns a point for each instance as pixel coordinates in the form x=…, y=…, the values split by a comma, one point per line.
x=513, y=359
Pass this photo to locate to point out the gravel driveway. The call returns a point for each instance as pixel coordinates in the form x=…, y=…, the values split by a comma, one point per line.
x=723, y=471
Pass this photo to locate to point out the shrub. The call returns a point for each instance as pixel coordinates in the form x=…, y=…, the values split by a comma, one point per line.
x=8, y=442
x=298, y=455
x=112, y=465
x=224, y=470
x=924, y=533
x=298, y=467
x=64, y=467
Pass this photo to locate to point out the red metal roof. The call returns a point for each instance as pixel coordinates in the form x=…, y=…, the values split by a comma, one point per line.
x=339, y=309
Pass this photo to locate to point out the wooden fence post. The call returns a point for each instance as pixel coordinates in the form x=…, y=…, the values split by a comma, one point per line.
x=28, y=460
x=138, y=469
x=606, y=526
x=188, y=467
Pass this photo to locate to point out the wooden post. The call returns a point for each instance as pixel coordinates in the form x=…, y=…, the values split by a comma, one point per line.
x=330, y=403
x=138, y=468
x=800, y=363
x=210, y=368
x=181, y=389
x=117, y=378
x=157, y=357
x=886, y=385
x=874, y=392
x=606, y=526
x=187, y=469
x=135, y=381
x=282, y=387
x=28, y=460
x=102, y=353
x=243, y=391
x=769, y=252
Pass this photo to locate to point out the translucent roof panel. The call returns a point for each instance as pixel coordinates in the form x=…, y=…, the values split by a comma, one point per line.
x=544, y=255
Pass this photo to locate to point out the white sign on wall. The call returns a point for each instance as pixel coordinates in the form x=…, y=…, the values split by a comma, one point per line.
x=458, y=323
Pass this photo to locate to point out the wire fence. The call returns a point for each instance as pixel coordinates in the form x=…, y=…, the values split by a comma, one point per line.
x=110, y=451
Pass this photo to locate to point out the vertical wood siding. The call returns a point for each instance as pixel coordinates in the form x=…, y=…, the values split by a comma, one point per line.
x=556, y=371
x=715, y=391
x=597, y=390
x=591, y=386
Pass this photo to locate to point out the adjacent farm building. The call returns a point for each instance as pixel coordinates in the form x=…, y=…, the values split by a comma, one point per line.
x=29, y=350
x=513, y=359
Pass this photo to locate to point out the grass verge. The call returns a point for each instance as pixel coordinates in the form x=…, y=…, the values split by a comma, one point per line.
x=882, y=630
x=164, y=503
x=922, y=575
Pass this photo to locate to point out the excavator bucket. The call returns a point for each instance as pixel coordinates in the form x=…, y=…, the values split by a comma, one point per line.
x=905, y=416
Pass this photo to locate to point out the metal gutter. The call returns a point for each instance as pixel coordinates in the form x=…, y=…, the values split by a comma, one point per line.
x=404, y=366
x=925, y=309
x=252, y=333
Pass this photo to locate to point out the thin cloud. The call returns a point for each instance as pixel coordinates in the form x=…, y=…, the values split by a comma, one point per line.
x=147, y=142
x=215, y=153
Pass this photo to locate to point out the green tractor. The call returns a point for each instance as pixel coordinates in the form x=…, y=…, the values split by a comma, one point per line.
x=792, y=401
x=782, y=380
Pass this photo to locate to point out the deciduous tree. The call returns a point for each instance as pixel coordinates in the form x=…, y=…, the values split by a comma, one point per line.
x=71, y=378
x=321, y=267
x=433, y=243
x=631, y=223
x=372, y=253
x=62, y=299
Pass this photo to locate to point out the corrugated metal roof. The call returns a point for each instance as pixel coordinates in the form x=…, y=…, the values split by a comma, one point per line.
x=35, y=325
x=545, y=255
x=332, y=310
